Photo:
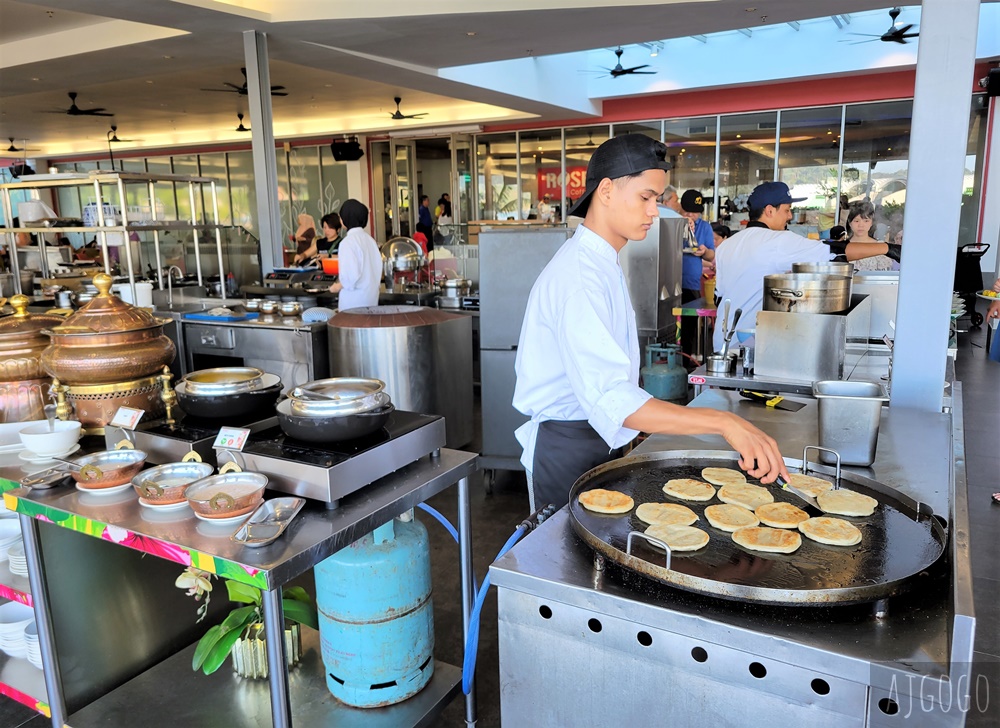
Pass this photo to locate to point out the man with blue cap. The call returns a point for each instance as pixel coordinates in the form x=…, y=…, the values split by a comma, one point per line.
x=765, y=248
x=578, y=356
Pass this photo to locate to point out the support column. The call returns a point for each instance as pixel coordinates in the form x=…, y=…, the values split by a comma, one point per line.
x=945, y=65
x=989, y=220
x=265, y=167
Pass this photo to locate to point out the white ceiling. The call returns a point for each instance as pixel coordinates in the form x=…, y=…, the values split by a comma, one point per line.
x=146, y=61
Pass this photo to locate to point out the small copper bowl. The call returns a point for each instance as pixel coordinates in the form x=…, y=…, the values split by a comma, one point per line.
x=227, y=495
x=108, y=468
x=166, y=484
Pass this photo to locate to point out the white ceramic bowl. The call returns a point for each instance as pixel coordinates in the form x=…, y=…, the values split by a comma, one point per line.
x=39, y=440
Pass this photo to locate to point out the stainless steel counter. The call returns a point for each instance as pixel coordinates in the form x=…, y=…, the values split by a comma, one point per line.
x=584, y=647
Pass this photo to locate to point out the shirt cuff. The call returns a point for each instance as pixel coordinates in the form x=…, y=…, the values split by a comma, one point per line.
x=611, y=410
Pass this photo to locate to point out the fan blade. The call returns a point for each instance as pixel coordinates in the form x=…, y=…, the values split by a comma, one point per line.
x=222, y=90
x=635, y=68
x=904, y=29
x=233, y=86
x=92, y=112
x=414, y=116
x=279, y=93
x=643, y=73
x=277, y=88
x=910, y=35
x=868, y=35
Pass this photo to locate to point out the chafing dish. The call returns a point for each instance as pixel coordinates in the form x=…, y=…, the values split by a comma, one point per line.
x=222, y=381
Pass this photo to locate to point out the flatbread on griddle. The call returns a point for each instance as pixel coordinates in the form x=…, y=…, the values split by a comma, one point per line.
x=729, y=517
x=723, y=476
x=746, y=495
x=668, y=514
x=679, y=538
x=846, y=503
x=600, y=500
x=809, y=485
x=771, y=540
x=833, y=531
x=689, y=489
x=780, y=515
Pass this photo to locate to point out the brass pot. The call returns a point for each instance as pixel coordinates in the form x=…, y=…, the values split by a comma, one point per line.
x=107, y=341
x=22, y=342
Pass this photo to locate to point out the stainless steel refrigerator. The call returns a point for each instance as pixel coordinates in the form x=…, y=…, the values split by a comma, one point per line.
x=509, y=263
x=653, y=270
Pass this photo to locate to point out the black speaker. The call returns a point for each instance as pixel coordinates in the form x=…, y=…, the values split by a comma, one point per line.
x=347, y=150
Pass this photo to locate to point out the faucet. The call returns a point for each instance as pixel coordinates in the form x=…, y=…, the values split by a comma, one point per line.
x=170, y=283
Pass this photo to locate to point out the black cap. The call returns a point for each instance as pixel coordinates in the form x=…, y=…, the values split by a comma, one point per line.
x=621, y=157
x=691, y=201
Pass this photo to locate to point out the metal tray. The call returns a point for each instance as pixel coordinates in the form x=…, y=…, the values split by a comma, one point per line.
x=901, y=539
x=268, y=522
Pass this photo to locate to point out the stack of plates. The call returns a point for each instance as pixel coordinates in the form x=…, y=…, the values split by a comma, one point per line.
x=34, y=652
x=14, y=617
x=18, y=561
x=10, y=534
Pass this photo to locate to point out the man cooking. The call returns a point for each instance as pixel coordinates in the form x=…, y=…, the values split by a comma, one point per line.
x=578, y=356
x=765, y=248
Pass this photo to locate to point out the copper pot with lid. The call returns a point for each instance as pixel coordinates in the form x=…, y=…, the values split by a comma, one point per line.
x=22, y=341
x=107, y=341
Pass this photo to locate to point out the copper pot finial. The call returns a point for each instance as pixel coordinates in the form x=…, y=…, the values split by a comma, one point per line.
x=20, y=303
x=103, y=283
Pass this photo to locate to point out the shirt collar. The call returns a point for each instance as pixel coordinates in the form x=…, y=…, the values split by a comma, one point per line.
x=594, y=242
x=757, y=224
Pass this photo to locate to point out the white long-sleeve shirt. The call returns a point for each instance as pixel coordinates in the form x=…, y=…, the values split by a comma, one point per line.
x=578, y=354
x=360, y=270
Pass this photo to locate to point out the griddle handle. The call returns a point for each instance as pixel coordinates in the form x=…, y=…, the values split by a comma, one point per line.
x=653, y=540
x=805, y=460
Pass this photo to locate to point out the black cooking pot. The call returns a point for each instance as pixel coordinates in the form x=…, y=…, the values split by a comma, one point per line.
x=333, y=428
x=240, y=404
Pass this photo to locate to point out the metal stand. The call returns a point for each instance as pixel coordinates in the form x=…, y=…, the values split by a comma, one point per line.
x=468, y=583
x=277, y=659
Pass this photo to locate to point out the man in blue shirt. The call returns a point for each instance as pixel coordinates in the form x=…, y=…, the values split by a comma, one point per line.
x=692, y=206
x=424, y=223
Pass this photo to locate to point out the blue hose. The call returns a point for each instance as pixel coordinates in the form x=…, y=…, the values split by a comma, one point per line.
x=472, y=644
x=441, y=519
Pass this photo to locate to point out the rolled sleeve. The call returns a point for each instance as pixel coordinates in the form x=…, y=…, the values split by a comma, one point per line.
x=598, y=368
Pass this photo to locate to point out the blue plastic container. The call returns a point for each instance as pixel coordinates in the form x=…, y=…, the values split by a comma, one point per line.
x=376, y=618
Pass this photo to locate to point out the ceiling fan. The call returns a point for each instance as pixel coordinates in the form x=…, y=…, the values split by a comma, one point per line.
x=241, y=127
x=244, y=90
x=398, y=115
x=893, y=35
x=113, y=136
x=619, y=70
x=75, y=110
x=14, y=150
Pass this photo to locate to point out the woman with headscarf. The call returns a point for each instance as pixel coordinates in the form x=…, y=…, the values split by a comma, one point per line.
x=360, y=261
x=305, y=240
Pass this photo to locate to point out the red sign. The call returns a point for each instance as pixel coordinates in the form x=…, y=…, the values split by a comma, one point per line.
x=696, y=380
x=550, y=182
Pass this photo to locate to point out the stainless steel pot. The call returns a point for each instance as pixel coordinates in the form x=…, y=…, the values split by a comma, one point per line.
x=223, y=380
x=291, y=308
x=807, y=293
x=456, y=287
x=338, y=396
x=828, y=268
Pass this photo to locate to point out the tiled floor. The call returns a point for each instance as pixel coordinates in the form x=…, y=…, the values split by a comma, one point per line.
x=494, y=517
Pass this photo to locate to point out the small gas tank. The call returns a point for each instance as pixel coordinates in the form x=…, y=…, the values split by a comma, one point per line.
x=664, y=376
x=376, y=617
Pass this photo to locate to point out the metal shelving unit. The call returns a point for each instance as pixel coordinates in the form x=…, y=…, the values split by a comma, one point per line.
x=119, y=180
x=317, y=534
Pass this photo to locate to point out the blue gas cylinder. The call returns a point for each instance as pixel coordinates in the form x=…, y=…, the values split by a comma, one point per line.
x=664, y=377
x=376, y=618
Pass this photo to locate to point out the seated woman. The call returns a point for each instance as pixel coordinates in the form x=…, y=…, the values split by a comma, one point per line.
x=305, y=240
x=860, y=224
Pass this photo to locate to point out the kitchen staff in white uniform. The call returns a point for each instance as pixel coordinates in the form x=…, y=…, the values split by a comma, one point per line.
x=765, y=248
x=359, y=260
x=578, y=356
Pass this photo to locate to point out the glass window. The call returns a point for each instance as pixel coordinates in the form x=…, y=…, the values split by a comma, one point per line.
x=580, y=145
x=288, y=222
x=497, y=162
x=968, y=228
x=242, y=191
x=214, y=167
x=165, y=195
x=691, y=151
x=808, y=156
x=541, y=174
x=187, y=166
x=305, y=191
x=746, y=156
x=876, y=150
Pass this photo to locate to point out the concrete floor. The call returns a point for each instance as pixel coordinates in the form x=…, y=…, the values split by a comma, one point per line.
x=495, y=515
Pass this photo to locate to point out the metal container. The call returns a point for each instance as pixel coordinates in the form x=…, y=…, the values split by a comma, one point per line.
x=333, y=428
x=107, y=341
x=338, y=396
x=376, y=616
x=22, y=341
x=457, y=287
x=252, y=305
x=664, y=377
x=402, y=254
x=830, y=268
x=423, y=355
x=849, y=416
x=227, y=495
x=270, y=306
x=807, y=293
x=166, y=484
x=291, y=308
x=223, y=380
x=717, y=364
x=108, y=468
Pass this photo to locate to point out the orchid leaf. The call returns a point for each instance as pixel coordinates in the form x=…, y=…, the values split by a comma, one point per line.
x=242, y=593
x=296, y=611
x=205, y=644
x=297, y=593
x=221, y=651
x=239, y=618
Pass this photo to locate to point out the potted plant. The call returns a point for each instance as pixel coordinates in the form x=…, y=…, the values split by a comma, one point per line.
x=241, y=633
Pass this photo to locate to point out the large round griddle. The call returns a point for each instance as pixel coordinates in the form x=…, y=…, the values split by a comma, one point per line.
x=901, y=539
